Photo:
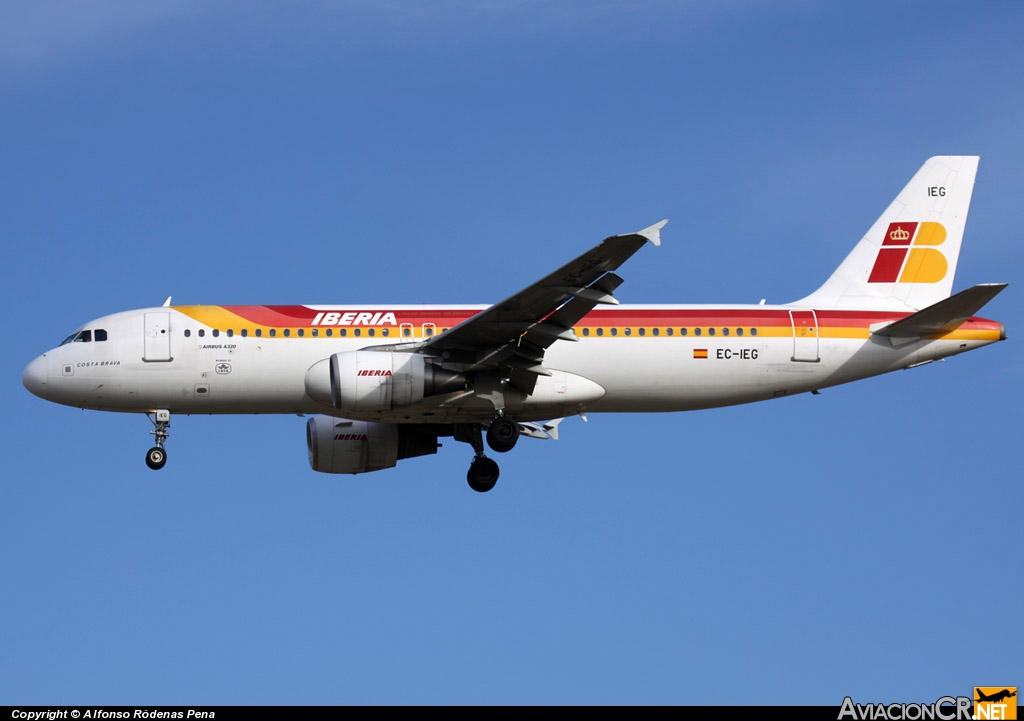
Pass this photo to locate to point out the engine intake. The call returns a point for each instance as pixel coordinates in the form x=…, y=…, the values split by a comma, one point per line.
x=337, y=445
x=367, y=380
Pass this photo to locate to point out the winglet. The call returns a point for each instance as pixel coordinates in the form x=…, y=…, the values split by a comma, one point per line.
x=653, y=233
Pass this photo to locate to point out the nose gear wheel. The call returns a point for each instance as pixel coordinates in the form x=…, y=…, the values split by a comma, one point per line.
x=156, y=456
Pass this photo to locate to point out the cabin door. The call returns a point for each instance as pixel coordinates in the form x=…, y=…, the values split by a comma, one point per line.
x=158, y=338
x=805, y=336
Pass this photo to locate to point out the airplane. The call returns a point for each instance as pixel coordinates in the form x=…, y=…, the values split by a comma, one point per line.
x=383, y=383
x=996, y=697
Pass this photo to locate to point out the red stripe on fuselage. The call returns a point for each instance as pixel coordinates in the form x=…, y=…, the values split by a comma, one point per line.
x=291, y=316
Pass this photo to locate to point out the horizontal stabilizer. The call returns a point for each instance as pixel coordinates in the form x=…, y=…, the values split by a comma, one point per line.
x=942, y=317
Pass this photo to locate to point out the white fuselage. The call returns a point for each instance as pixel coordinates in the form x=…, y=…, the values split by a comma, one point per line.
x=637, y=355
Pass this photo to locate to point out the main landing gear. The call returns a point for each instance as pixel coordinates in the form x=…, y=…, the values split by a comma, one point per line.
x=502, y=435
x=156, y=456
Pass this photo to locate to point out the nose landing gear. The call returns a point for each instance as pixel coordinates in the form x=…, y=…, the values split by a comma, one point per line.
x=156, y=456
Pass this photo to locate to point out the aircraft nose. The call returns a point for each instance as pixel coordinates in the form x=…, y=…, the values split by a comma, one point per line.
x=34, y=377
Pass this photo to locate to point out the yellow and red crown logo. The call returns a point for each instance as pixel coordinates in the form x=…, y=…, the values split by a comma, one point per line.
x=899, y=234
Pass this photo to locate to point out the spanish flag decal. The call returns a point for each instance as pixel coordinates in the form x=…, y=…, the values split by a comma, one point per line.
x=700, y=352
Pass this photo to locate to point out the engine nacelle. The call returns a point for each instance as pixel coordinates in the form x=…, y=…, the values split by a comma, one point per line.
x=337, y=445
x=366, y=380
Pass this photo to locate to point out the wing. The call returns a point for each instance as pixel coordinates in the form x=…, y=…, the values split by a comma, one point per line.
x=513, y=334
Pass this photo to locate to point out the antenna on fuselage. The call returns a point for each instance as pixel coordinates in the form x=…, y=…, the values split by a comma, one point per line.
x=167, y=303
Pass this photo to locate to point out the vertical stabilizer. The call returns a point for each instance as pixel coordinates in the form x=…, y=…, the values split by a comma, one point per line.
x=907, y=260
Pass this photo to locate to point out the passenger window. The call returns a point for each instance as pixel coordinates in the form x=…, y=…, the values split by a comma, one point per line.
x=273, y=332
x=642, y=331
x=668, y=331
x=287, y=332
x=753, y=331
x=696, y=331
x=100, y=335
x=586, y=332
x=231, y=333
x=385, y=332
x=628, y=331
x=314, y=332
x=711, y=331
x=682, y=331
x=725, y=331
x=245, y=332
x=370, y=332
x=216, y=333
x=357, y=332
x=259, y=332
x=202, y=333
x=739, y=331
x=615, y=331
x=600, y=331
x=188, y=333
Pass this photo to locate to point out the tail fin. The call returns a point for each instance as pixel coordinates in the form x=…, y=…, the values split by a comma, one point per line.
x=908, y=259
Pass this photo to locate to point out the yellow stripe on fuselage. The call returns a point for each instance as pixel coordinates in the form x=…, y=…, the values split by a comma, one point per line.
x=214, y=316
x=222, y=319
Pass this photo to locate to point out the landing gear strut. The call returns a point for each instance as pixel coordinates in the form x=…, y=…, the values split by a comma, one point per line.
x=483, y=472
x=156, y=456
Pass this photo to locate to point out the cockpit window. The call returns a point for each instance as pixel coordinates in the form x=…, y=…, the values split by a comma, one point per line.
x=82, y=336
x=85, y=336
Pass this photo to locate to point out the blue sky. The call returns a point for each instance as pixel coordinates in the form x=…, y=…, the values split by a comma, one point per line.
x=861, y=542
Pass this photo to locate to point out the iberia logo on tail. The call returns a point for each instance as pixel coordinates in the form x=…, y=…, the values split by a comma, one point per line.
x=908, y=254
